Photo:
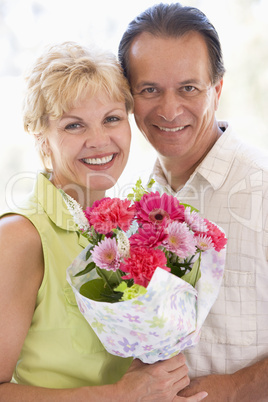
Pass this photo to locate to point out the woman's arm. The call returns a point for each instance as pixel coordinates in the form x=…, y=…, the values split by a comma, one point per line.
x=21, y=273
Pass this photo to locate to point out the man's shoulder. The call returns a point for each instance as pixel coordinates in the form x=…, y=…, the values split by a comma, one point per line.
x=243, y=151
x=252, y=156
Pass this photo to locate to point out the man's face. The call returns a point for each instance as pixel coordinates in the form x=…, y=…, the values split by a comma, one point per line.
x=175, y=101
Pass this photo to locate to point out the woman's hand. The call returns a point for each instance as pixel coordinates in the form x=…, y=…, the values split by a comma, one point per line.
x=160, y=381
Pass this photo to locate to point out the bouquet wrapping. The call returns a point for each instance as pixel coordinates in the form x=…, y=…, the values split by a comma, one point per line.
x=150, y=274
x=159, y=324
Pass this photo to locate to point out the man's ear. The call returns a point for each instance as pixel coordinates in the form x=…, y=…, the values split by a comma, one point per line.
x=218, y=89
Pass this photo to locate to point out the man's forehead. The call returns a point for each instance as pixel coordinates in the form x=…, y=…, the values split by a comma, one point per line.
x=153, y=57
x=153, y=40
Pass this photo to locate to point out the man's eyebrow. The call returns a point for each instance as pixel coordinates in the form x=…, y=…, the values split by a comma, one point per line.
x=145, y=84
x=191, y=81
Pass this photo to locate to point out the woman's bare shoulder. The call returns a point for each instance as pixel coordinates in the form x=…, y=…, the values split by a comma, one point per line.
x=18, y=227
x=20, y=245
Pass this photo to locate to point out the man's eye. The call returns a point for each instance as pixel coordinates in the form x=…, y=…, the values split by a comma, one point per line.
x=189, y=88
x=149, y=90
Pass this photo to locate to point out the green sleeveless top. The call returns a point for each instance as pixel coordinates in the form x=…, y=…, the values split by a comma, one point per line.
x=60, y=350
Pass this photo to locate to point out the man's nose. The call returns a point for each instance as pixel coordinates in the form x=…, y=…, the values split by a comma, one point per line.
x=170, y=106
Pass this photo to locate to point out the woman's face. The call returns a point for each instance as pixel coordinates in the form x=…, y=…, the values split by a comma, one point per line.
x=89, y=147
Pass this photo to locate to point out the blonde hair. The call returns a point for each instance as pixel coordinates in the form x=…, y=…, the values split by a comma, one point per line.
x=60, y=77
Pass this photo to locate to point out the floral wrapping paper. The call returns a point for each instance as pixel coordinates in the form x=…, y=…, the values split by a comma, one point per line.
x=159, y=324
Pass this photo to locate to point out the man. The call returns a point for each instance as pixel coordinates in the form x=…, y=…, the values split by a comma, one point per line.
x=172, y=57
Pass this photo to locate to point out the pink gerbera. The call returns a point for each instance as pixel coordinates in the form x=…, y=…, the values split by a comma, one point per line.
x=217, y=236
x=142, y=263
x=112, y=213
x=149, y=236
x=203, y=242
x=194, y=220
x=180, y=240
x=105, y=255
x=159, y=209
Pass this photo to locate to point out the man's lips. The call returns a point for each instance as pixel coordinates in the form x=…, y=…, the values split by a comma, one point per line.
x=171, y=130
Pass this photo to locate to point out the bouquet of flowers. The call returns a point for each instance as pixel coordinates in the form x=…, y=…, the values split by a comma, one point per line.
x=150, y=274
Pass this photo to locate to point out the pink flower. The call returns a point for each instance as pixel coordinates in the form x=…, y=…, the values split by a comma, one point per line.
x=88, y=210
x=149, y=236
x=180, y=240
x=112, y=213
x=105, y=255
x=157, y=209
x=203, y=242
x=217, y=236
x=142, y=263
x=194, y=220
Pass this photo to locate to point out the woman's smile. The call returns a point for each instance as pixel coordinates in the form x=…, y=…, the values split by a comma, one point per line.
x=99, y=162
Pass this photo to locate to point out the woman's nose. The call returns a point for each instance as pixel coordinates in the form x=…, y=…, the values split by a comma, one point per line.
x=97, y=137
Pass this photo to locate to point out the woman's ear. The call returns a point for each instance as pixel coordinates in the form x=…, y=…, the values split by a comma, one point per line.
x=43, y=144
x=46, y=148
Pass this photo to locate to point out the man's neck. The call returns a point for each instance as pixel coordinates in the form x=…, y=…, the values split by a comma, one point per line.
x=177, y=174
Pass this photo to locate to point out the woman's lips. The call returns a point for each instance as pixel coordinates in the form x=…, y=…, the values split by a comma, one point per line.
x=99, y=163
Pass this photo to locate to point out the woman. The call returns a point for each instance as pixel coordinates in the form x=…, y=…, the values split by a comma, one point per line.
x=76, y=106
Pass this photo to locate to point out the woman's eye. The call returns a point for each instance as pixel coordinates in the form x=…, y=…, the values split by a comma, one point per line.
x=74, y=127
x=111, y=119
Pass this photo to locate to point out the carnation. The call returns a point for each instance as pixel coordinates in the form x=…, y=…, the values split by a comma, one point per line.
x=111, y=214
x=142, y=263
x=217, y=236
x=88, y=210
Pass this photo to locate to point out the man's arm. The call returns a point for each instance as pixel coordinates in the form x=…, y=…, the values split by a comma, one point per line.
x=246, y=385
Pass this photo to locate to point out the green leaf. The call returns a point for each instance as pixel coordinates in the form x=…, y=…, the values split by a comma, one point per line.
x=121, y=287
x=98, y=291
x=151, y=183
x=188, y=205
x=109, y=277
x=88, y=254
x=194, y=275
x=88, y=268
x=139, y=190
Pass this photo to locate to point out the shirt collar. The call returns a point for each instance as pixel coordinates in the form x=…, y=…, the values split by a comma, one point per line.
x=53, y=204
x=215, y=166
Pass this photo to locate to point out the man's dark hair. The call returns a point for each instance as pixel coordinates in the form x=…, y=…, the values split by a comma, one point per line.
x=174, y=20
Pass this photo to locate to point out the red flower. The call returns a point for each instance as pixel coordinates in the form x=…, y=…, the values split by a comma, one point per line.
x=111, y=214
x=142, y=263
x=217, y=236
x=157, y=209
x=88, y=210
x=149, y=236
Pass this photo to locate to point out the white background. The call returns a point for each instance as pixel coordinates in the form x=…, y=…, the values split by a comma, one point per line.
x=26, y=26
